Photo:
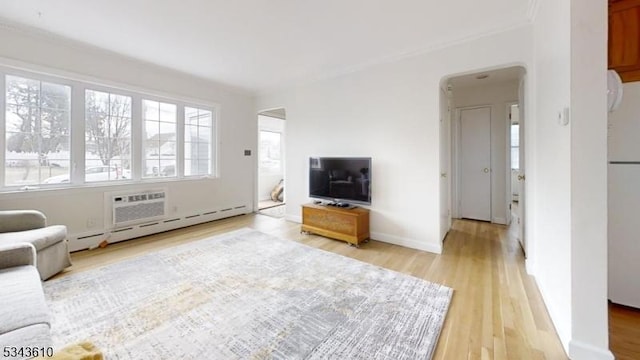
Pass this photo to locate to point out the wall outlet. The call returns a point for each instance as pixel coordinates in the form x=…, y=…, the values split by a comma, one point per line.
x=174, y=209
x=91, y=223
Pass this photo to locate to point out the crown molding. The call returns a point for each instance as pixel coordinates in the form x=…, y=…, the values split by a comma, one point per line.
x=393, y=58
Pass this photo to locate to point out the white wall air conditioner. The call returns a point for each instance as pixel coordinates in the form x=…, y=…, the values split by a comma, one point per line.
x=139, y=207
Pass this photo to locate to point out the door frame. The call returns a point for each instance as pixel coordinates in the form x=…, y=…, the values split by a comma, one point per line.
x=455, y=198
x=509, y=188
x=256, y=154
x=446, y=148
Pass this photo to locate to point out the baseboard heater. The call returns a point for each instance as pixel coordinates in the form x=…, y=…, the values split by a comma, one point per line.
x=148, y=227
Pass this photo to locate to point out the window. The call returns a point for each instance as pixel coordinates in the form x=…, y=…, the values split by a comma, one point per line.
x=107, y=136
x=159, y=141
x=198, y=132
x=270, y=148
x=128, y=137
x=515, y=146
x=37, y=123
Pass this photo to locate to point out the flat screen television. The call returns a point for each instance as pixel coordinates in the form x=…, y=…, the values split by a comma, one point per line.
x=343, y=180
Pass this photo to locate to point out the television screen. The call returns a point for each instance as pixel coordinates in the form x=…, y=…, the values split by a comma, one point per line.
x=340, y=179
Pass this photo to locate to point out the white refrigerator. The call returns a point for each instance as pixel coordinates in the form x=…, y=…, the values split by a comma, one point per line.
x=624, y=233
x=624, y=199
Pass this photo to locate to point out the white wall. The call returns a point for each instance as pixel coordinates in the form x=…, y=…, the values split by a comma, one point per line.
x=497, y=96
x=549, y=179
x=389, y=112
x=268, y=180
x=568, y=181
x=78, y=208
x=590, y=338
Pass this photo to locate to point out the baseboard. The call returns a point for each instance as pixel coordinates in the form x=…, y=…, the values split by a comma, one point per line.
x=565, y=336
x=530, y=266
x=410, y=243
x=391, y=239
x=580, y=350
x=293, y=218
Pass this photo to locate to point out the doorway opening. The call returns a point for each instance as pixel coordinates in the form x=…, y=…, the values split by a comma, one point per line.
x=479, y=109
x=271, y=163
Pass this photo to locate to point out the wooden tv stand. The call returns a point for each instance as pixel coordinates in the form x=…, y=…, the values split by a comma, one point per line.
x=350, y=225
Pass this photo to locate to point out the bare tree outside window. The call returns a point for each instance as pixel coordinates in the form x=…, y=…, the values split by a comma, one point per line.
x=37, y=129
x=108, y=134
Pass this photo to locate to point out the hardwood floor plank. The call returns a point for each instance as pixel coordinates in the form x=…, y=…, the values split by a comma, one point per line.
x=624, y=332
x=496, y=311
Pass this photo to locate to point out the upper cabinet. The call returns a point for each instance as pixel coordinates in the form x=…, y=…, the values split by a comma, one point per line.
x=624, y=38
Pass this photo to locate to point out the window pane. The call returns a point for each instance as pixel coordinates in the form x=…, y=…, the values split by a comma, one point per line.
x=120, y=105
x=108, y=136
x=21, y=91
x=96, y=102
x=515, y=135
x=515, y=158
x=204, y=118
x=37, y=129
x=152, y=167
x=191, y=116
x=168, y=112
x=168, y=167
x=198, y=139
x=151, y=129
x=159, y=139
x=270, y=152
x=191, y=133
x=55, y=96
x=151, y=110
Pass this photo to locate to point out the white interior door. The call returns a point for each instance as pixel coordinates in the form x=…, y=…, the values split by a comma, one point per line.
x=521, y=172
x=475, y=164
x=445, y=156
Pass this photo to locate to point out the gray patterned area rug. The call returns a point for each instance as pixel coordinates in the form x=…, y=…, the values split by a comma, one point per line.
x=247, y=295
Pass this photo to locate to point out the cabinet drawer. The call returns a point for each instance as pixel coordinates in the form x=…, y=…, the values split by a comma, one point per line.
x=337, y=222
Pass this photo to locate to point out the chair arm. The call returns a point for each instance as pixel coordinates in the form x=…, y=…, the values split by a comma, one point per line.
x=17, y=254
x=21, y=220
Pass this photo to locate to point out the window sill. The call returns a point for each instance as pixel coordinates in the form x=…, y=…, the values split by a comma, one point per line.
x=33, y=191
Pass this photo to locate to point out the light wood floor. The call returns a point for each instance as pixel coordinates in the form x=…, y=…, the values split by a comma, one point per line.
x=624, y=332
x=496, y=311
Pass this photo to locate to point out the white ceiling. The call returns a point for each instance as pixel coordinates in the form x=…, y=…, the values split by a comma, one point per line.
x=263, y=44
x=499, y=76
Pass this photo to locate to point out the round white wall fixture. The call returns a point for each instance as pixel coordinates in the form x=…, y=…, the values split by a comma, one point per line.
x=614, y=90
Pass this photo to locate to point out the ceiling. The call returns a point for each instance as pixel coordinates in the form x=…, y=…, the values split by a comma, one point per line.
x=259, y=45
x=498, y=76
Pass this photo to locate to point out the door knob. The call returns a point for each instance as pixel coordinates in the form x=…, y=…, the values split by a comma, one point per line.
x=485, y=170
x=443, y=175
x=520, y=177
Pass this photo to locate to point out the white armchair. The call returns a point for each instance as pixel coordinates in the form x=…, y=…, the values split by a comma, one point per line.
x=24, y=316
x=50, y=242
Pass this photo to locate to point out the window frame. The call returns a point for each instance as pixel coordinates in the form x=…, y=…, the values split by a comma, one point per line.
x=213, y=150
x=143, y=120
x=82, y=176
x=3, y=124
x=78, y=85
